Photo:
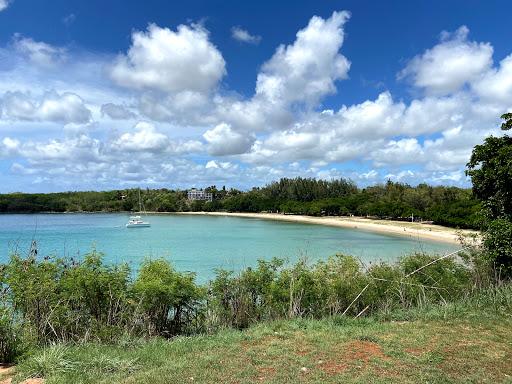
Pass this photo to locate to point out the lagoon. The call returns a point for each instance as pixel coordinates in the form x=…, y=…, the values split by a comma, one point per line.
x=198, y=243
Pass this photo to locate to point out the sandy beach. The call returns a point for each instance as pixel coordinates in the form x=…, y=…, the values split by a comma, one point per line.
x=401, y=228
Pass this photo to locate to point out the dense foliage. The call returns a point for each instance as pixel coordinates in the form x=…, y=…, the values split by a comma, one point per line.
x=448, y=206
x=490, y=168
x=49, y=300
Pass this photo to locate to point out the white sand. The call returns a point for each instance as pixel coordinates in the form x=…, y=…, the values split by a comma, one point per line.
x=401, y=228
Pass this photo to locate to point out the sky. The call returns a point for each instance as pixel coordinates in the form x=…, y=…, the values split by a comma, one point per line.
x=98, y=95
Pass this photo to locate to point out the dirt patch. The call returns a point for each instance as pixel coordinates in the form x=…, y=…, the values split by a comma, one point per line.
x=28, y=381
x=416, y=351
x=303, y=351
x=265, y=373
x=355, y=353
x=6, y=371
x=364, y=351
x=333, y=367
x=494, y=359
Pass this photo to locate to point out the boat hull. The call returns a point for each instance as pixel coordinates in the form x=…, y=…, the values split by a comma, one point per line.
x=141, y=225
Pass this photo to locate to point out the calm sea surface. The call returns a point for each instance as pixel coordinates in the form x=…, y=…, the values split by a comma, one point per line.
x=197, y=243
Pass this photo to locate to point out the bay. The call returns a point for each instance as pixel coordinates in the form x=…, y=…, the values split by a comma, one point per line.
x=199, y=244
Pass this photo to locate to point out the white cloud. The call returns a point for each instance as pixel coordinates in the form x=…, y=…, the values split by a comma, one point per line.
x=223, y=140
x=144, y=139
x=165, y=60
x=55, y=153
x=69, y=19
x=224, y=165
x=63, y=108
x=117, y=112
x=3, y=4
x=185, y=108
x=496, y=84
x=398, y=152
x=38, y=52
x=278, y=131
x=8, y=147
x=369, y=119
x=244, y=36
x=402, y=176
x=306, y=70
x=449, y=65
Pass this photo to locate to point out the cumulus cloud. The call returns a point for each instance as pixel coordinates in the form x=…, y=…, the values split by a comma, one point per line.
x=223, y=140
x=184, y=108
x=170, y=61
x=496, y=84
x=449, y=65
x=8, y=147
x=117, y=112
x=52, y=106
x=144, y=139
x=3, y=4
x=398, y=152
x=38, y=52
x=306, y=70
x=242, y=35
x=193, y=125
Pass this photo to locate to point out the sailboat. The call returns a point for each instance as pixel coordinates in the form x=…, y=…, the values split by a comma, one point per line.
x=136, y=221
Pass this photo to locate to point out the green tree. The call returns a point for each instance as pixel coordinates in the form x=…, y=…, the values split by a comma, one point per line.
x=498, y=243
x=490, y=169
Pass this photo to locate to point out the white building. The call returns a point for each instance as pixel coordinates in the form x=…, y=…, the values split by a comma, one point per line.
x=199, y=194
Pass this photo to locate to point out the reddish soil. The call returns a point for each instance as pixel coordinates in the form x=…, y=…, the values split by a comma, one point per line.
x=265, y=373
x=355, y=352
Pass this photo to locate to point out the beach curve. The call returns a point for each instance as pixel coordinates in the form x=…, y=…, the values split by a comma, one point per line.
x=400, y=228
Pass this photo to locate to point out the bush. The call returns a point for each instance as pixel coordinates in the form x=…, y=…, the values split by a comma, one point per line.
x=167, y=299
x=498, y=245
x=55, y=300
x=442, y=280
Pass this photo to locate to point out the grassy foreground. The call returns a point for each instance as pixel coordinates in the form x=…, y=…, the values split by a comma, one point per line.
x=468, y=341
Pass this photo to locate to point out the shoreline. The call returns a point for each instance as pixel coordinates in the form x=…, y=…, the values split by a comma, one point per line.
x=390, y=227
x=416, y=231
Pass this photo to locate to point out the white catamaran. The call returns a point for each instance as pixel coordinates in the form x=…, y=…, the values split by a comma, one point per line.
x=136, y=221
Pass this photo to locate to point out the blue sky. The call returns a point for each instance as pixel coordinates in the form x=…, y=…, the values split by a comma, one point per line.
x=99, y=95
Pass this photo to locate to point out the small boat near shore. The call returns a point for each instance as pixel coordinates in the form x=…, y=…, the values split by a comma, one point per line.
x=136, y=221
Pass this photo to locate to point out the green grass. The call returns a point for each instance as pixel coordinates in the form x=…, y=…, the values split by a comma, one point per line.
x=468, y=341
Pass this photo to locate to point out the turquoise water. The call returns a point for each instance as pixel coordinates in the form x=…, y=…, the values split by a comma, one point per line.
x=198, y=243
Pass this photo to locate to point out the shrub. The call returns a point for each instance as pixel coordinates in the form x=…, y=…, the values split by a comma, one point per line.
x=498, y=245
x=440, y=280
x=167, y=299
x=54, y=300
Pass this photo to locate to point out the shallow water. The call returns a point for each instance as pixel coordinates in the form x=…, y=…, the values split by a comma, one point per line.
x=198, y=243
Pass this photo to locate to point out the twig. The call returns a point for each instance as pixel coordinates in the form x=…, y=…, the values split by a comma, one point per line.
x=357, y=297
x=434, y=261
x=406, y=283
x=363, y=311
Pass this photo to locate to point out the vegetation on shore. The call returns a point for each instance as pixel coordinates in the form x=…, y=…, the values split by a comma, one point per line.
x=450, y=206
x=67, y=302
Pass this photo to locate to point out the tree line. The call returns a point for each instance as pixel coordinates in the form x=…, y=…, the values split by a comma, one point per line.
x=450, y=206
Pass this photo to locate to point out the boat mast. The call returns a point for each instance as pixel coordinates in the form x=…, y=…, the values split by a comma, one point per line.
x=140, y=202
